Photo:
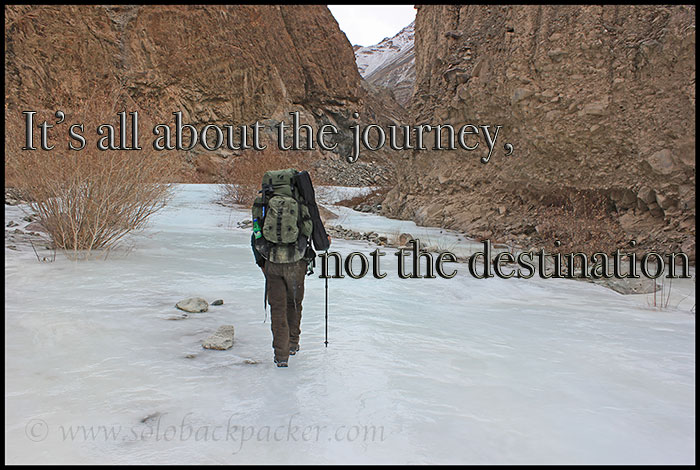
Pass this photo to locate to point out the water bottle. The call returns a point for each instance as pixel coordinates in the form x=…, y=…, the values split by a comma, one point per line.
x=256, y=229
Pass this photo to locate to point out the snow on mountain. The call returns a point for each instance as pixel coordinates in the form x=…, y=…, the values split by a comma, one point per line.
x=371, y=58
x=390, y=64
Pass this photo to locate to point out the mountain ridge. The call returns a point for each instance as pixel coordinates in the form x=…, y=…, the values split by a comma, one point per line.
x=390, y=63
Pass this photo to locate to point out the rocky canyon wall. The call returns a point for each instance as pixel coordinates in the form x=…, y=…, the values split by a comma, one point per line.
x=599, y=102
x=216, y=64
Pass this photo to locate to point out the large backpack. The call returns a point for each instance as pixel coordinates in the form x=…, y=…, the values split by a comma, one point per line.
x=286, y=211
x=279, y=215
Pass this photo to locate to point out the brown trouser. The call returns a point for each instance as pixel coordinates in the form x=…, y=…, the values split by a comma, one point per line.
x=285, y=291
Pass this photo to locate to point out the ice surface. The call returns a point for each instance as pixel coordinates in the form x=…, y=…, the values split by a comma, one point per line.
x=443, y=239
x=333, y=194
x=442, y=370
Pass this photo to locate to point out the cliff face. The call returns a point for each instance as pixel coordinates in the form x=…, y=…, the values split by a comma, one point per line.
x=390, y=64
x=597, y=100
x=217, y=64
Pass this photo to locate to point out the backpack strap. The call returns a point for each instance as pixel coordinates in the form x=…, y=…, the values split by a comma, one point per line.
x=279, y=228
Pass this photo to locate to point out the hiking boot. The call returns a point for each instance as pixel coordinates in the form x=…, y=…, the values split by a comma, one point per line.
x=293, y=349
x=281, y=362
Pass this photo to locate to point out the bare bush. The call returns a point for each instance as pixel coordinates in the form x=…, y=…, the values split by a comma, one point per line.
x=661, y=295
x=88, y=199
x=370, y=199
x=580, y=221
x=243, y=178
x=437, y=244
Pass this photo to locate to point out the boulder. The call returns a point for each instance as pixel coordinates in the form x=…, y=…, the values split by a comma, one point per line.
x=628, y=198
x=662, y=161
x=404, y=239
x=655, y=210
x=221, y=340
x=193, y=305
x=665, y=202
x=520, y=94
x=647, y=195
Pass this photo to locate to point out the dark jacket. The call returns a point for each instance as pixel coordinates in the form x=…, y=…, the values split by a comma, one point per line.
x=259, y=260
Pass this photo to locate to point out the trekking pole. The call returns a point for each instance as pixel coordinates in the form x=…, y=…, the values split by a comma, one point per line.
x=326, y=342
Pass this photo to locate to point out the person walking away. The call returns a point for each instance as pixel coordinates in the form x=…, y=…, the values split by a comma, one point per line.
x=284, y=224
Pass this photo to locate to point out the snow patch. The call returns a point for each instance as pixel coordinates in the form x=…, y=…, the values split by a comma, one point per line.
x=449, y=371
x=372, y=58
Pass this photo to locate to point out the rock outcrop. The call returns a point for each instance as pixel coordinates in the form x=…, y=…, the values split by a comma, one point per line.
x=599, y=102
x=217, y=64
x=390, y=64
x=193, y=305
x=222, y=339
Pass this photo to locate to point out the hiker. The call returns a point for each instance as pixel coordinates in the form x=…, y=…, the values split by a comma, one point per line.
x=285, y=222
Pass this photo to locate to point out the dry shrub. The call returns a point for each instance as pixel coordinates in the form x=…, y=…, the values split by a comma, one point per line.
x=581, y=221
x=371, y=198
x=88, y=199
x=244, y=176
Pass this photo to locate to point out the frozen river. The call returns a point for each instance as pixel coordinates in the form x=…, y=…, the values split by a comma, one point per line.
x=443, y=371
